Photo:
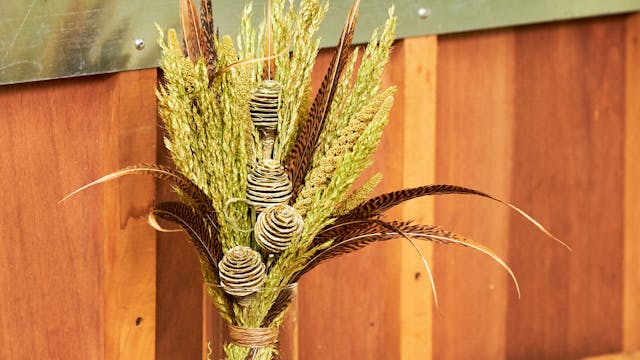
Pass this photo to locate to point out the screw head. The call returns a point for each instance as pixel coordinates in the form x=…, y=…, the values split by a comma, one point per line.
x=424, y=13
x=139, y=44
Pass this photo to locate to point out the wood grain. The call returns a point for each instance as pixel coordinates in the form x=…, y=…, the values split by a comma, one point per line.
x=418, y=64
x=179, y=298
x=631, y=189
x=535, y=115
x=51, y=256
x=62, y=287
x=474, y=148
x=568, y=171
x=129, y=243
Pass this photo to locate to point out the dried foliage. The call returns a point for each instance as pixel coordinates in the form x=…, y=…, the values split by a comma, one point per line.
x=358, y=196
x=299, y=154
x=299, y=159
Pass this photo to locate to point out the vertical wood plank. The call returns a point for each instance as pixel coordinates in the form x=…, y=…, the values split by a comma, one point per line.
x=75, y=276
x=568, y=172
x=558, y=89
x=631, y=188
x=129, y=243
x=179, y=299
x=474, y=148
x=51, y=288
x=419, y=145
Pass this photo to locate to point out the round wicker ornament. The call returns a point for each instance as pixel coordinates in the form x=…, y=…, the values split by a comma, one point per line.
x=268, y=184
x=264, y=104
x=263, y=108
x=277, y=227
x=242, y=271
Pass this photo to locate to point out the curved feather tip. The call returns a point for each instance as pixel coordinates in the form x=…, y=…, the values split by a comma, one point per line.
x=427, y=269
x=536, y=223
x=153, y=222
x=99, y=181
x=384, y=202
x=483, y=250
x=135, y=169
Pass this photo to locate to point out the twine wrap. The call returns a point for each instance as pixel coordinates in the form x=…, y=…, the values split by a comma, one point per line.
x=277, y=227
x=268, y=184
x=263, y=108
x=253, y=337
x=242, y=271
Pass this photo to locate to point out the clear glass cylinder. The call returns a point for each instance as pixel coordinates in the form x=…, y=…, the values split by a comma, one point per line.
x=224, y=340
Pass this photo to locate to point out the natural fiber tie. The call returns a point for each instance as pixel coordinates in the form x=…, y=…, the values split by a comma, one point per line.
x=253, y=337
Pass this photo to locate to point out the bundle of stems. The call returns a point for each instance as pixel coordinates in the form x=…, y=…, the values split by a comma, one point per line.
x=214, y=102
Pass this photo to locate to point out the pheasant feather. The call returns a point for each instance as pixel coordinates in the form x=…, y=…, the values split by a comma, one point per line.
x=209, y=35
x=194, y=195
x=281, y=304
x=344, y=231
x=202, y=234
x=299, y=159
x=380, y=232
x=191, y=30
x=384, y=202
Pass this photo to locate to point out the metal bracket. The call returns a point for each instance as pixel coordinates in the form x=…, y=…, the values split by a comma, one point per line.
x=46, y=39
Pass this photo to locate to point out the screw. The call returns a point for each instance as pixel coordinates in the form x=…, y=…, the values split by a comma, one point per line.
x=139, y=44
x=424, y=13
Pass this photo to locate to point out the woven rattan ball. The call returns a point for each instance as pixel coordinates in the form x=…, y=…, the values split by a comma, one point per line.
x=242, y=271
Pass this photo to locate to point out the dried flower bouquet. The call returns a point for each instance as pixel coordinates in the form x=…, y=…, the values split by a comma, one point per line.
x=266, y=171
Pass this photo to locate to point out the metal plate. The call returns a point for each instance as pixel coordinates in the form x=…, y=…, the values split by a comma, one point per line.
x=44, y=39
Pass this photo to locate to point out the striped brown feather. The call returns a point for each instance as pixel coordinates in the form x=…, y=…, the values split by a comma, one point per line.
x=384, y=202
x=202, y=234
x=282, y=302
x=192, y=193
x=341, y=232
x=208, y=35
x=191, y=30
x=358, y=235
x=299, y=159
x=380, y=204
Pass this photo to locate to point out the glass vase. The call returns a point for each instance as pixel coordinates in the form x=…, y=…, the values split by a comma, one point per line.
x=275, y=338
